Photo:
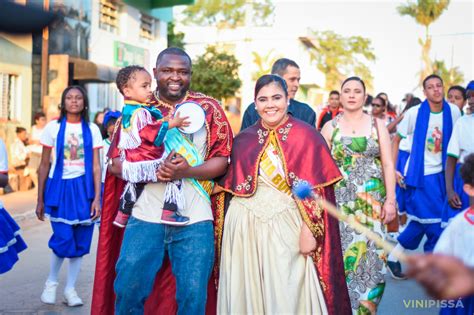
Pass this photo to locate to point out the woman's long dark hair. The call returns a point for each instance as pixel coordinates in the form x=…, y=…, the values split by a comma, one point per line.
x=85, y=110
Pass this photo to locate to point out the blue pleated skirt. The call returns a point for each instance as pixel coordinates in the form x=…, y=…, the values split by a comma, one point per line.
x=11, y=242
x=74, y=205
x=448, y=211
x=401, y=192
x=70, y=220
x=425, y=204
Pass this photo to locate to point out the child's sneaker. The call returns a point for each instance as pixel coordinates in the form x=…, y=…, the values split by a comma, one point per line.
x=173, y=218
x=71, y=298
x=49, y=293
x=121, y=219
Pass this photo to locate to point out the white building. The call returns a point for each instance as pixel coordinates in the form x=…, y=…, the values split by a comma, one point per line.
x=123, y=35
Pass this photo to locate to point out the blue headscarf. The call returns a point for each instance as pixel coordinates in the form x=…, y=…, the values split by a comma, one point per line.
x=416, y=167
x=53, y=192
x=110, y=115
x=470, y=86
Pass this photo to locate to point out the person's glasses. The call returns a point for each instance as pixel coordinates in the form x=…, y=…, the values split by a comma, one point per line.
x=377, y=105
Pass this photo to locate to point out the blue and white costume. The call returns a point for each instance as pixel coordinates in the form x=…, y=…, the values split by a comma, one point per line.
x=460, y=145
x=11, y=242
x=69, y=189
x=424, y=172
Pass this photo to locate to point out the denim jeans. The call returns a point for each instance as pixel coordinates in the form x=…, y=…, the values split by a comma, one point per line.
x=191, y=252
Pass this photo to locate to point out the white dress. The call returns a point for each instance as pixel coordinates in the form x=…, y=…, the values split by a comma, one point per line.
x=262, y=270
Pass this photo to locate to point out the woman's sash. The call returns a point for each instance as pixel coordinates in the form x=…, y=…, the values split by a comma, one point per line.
x=271, y=167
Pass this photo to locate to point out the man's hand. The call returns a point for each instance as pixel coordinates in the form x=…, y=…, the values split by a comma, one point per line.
x=95, y=209
x=174, y=167
x=40, y=210
x=400, y=179
x=453, y=199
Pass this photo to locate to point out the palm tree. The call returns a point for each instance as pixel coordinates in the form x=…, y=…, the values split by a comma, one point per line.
x=452, y=76
x=264, y=63
x=425, y=12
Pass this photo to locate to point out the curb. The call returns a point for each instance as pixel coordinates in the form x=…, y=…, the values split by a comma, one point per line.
x=24, y=216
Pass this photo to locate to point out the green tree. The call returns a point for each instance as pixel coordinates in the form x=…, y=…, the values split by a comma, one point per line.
x=337, y=57
x=425, y=12
x=175, y=39
x=264, y=63
x=215, y=73
x=228, y=13
x=452, y=76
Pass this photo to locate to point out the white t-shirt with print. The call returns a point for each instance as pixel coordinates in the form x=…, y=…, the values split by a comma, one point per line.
x=405, y=144
x=73, y=146
x=434, y=136
x=461, y=143
x=150, y=203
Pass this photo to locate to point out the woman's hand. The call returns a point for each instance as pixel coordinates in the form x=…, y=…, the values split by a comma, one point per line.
x=307, y=241
x=40, y=210
x=389, y=211
x=95, y=209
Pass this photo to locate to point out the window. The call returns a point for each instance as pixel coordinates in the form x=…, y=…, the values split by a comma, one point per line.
x=109, y=15
x=147, y=27
x=8, y=96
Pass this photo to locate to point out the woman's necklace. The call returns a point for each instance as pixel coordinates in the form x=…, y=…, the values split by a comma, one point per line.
x=348, y=124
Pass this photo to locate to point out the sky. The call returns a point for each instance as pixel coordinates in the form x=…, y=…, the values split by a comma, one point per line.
x=394, y=38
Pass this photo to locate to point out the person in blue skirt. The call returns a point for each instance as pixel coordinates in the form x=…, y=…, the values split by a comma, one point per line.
x=11, y=242
x=460, y=146
x=69, y=189
x=430, y=126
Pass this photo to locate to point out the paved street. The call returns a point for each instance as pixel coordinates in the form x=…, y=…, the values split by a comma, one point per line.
x=21, y=287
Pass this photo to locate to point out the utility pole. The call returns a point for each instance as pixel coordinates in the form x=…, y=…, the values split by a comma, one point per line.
x=44, y=62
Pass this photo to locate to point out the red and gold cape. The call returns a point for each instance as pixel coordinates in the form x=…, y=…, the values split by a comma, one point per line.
x=305, y=157
x=162, y=299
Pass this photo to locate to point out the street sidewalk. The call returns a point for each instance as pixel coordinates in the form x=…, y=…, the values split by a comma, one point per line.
x=21, y=205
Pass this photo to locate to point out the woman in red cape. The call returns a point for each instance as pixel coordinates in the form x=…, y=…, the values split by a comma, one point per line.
x=162, y=299
x=280, y=254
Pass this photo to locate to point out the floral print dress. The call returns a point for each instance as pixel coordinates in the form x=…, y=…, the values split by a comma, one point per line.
x=361, y=194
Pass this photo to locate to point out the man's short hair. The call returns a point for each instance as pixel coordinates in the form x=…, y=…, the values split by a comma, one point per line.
x=431, y=76
x=172, y=51
x=334, y=92
x=20, y=130
x=280, y=66
x=38, y=115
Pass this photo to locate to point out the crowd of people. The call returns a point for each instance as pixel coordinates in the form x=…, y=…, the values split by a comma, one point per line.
x=206, y=222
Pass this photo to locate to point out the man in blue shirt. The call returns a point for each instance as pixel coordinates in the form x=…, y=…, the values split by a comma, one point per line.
x=290, y=71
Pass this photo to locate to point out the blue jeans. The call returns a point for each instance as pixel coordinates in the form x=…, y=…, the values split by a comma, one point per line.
x=191, y=252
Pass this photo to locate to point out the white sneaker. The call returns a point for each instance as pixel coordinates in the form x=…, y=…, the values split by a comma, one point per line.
x=71, y=298
x=49, y=293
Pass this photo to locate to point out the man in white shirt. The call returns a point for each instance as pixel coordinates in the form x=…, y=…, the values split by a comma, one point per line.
x=430, y=126
x=147, y=242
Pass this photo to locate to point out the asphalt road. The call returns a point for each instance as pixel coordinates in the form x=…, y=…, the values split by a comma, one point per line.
x=20, y=288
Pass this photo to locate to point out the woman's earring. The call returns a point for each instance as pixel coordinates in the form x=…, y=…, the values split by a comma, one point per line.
x=255, y=107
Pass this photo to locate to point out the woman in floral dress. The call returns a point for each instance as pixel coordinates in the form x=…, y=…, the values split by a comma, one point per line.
x=360, y=145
